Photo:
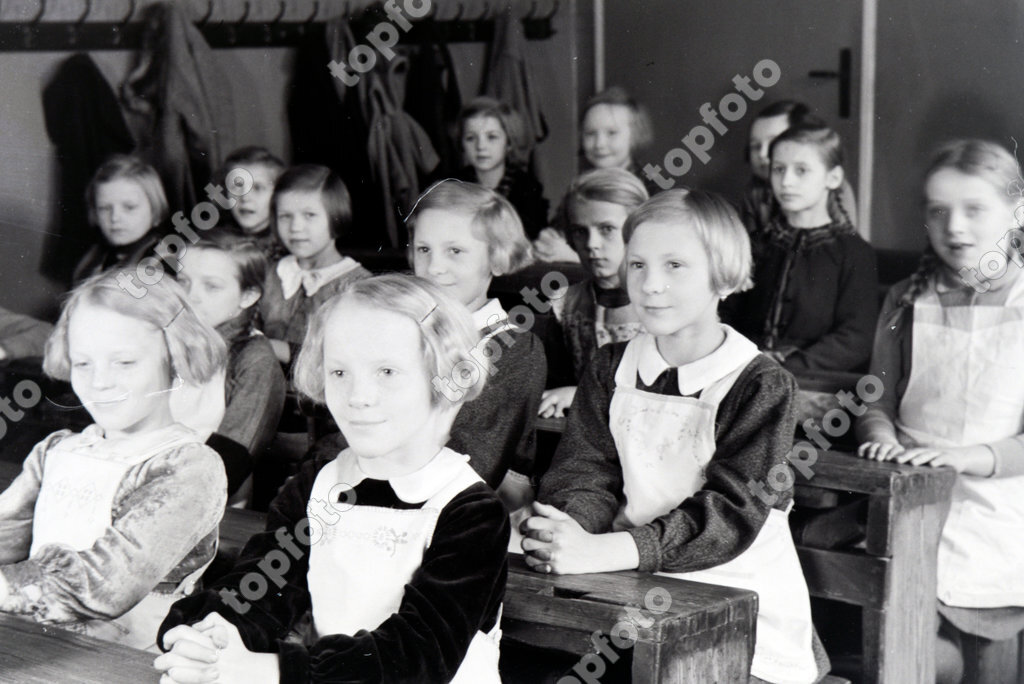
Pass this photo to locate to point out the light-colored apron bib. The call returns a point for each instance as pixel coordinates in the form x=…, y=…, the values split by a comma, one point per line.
x=664, y=445
x=200, y=407
x=74, y=508
x=359, y=569
x=967, y=387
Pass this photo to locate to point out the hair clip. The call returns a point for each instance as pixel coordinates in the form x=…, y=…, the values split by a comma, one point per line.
x=173, y=318
x=427, y=315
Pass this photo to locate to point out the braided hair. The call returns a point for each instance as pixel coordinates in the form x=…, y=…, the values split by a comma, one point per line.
x=972, y=157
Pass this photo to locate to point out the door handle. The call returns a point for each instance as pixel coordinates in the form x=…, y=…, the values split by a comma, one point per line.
x=845, y=77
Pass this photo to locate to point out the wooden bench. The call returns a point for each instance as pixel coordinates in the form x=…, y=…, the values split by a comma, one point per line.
x=705, y=633
x=31, y=653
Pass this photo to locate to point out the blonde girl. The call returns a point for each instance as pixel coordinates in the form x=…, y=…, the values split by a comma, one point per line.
x=595, y=311
x=613, y=128
x=104, y=529
x=671, y=432
x=461, y=235
x=395, y=545
x=947, y=346
x=126, y=202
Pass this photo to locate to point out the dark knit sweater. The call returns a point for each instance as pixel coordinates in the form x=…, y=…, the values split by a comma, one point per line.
x=456, y=591
x=496, y=429
x=254, y=391
x=815, y=292
x=753, y=433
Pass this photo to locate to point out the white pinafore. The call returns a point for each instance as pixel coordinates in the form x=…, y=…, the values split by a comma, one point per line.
x=359, y=569
x=81, y=476
x=966, y=388
x=664, y=445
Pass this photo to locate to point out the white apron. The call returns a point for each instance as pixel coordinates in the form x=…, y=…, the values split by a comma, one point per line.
x=359, y=568
x=664, y=444
x=74, y=507
x=966, y=387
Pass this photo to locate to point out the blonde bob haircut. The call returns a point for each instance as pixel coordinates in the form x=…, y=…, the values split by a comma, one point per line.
x=493, y=218
x=721, y=232
x=195, y=351
x=447, y=334
x=129, y=167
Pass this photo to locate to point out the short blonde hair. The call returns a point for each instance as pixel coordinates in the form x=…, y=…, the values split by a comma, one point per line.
x=195, y=351
x=129, y=167
x=447, y=333
x=721, y=232
x=640, y=127
x=507, y=247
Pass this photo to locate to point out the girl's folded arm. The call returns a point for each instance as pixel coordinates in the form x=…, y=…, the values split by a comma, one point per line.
x=585, y=477
x=460, y=583
x=164, y=508
x=754, y=433
x=262, y=619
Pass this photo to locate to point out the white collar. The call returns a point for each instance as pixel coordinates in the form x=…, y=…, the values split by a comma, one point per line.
x=294, y=276
x=489, y=316
x=734, y=352
x=414, y=487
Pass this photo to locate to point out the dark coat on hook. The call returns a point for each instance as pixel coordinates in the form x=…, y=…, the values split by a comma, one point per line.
x=85, y=123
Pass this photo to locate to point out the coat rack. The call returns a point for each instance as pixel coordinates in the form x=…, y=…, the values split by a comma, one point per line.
x=125, y=34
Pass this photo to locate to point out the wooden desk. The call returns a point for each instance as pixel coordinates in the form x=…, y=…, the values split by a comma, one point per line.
x=893, y=579
x=31, y=653
x=706, y=634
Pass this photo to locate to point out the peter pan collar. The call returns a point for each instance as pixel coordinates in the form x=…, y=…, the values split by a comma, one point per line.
x=414, y=487
x=294, y=276
x=734, y=352
x=489, y=315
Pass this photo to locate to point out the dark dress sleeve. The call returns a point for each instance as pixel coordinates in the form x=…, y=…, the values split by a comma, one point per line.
x=585, y=477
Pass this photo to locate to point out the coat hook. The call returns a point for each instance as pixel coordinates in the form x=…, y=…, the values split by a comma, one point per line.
x=88, y=8
x=131, y=12
x=485, y=13
x=312, y=15
x=460, y=8
x=209, y=12
x=553, y=12
x=39, y=14
x=245, y=14
x=280, y=13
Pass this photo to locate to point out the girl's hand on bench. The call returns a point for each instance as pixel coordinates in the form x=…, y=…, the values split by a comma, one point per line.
x=977, y=460
x=880, y=451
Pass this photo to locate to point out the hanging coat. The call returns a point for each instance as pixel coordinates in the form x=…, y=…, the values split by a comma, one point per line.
x=184, y=103
x=85, y=123
x=509, y=77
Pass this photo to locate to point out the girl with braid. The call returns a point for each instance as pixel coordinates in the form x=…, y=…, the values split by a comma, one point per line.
x=813, y=305
x=948, y=347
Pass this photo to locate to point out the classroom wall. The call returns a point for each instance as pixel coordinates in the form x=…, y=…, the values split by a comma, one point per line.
x=945, y=70
x=258, y=85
